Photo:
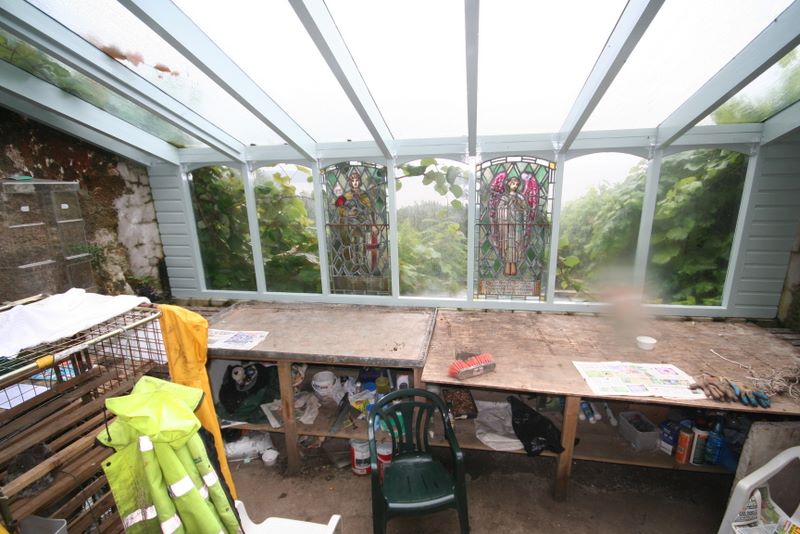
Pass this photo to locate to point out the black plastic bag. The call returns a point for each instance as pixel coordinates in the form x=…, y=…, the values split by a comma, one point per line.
x=535, y=431
x=246, y=387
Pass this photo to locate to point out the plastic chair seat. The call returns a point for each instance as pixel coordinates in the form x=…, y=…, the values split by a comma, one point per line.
x=414, y=482
x=415, y=479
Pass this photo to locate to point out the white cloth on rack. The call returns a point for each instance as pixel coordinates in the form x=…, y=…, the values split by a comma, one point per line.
x=58, y=316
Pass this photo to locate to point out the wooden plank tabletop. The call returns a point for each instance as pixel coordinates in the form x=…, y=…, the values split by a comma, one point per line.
x=534, y=352
x=330, y=333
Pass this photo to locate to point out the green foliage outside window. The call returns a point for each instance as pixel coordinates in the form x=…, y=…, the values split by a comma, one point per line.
x=221, y=215
x=288, y=235
x=432, y=236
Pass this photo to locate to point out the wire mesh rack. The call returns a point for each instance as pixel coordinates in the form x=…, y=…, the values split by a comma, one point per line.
x=122, y=344
x=52, y=399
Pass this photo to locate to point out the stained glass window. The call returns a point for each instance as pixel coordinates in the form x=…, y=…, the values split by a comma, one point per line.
x=513, y=226
x=357, y=228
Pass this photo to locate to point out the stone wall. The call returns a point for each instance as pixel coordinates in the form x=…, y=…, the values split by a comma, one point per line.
x=115, y=199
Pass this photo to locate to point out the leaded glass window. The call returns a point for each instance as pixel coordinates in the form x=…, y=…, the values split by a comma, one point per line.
x=513, y=226
x=357, y=227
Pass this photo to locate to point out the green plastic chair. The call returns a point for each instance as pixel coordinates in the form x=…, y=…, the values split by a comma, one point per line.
x=414, y=482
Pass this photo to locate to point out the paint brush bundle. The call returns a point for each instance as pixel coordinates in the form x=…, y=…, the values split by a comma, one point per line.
x=473, y=366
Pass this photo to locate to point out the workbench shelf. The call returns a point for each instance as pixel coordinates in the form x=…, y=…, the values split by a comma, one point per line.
x=339, y=338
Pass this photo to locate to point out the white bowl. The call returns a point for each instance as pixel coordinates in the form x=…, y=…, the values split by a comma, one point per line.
x=646, y=342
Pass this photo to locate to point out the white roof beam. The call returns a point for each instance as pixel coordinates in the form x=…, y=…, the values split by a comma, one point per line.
x=472, y=26
x=777, y=39
x=172, y=25
x=41, y=31
x=632, y=23
x=320, y=26
x=782, y=123
x=20, y=84
x=70, y=127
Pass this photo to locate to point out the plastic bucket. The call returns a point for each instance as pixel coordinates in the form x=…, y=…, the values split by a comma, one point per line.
x=359, y=456
x=384, y=455
x=323, y=383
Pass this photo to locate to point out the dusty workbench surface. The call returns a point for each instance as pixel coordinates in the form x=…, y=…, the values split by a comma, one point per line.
x=534, y=351
x=330, y=333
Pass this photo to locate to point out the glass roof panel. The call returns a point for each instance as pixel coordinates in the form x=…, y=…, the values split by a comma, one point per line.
x=45, y=67
x=686, y=44
x=773, y=91
x=117, y=32
x=534, y=60
x=411, y=55
x=300, y=81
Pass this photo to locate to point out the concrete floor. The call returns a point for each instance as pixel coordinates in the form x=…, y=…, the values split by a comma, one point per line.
x=508, y=494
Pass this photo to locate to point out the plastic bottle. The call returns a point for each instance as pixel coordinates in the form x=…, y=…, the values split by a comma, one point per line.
x=715, y=443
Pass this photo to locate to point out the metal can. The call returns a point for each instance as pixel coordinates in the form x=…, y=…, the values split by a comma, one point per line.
x=683, y=447
x=697, y=457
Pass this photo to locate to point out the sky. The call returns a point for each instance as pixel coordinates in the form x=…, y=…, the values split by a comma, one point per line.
x=533, y=60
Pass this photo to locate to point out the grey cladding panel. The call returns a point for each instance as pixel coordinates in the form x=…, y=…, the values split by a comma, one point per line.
x=167, y=188
x=166, y=217
x=167, y=194
x=176, y=229
x=178, y=261
x=773, y=219
x=169, y=205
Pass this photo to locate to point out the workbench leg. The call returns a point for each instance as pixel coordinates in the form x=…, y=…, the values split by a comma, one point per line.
x=418, y=384
x=568, y=430
x=289, y=424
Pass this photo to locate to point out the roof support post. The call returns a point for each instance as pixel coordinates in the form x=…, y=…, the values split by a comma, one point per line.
x=318, y=22
x=172, y=25
x=646, y=220
x=320, y=221
x=394, y=250
x=630, y=27
x=472, y=21
x=248, y=181
x=777, y=39
x=555, y=227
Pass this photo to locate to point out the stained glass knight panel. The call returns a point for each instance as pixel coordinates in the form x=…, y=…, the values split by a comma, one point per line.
x=513, y=226
x=357, y=228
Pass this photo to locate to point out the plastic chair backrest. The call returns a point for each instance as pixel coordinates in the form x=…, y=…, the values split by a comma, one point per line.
x=408, y=419
x=756, y=479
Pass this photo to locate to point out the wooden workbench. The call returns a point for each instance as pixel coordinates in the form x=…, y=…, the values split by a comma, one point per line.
x=331, y=335
x=534, y=354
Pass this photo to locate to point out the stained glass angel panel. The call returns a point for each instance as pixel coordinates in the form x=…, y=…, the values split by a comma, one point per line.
x=513, y=226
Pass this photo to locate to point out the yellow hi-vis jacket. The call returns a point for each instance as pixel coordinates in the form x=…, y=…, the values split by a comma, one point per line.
x=185, y=336
x=160, y=475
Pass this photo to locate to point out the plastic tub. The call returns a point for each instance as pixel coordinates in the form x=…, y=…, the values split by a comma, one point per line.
x=639, y=431
x=323, y=384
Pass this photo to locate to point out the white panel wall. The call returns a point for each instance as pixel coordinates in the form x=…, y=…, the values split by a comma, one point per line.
x=772, y=223
x=174, y=225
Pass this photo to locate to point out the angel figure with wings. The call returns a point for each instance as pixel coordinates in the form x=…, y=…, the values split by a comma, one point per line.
x=512, y=210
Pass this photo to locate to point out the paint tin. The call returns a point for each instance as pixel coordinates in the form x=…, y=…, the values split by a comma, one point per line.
x=683, y=447
x=698, y=446
x=384, y=455
x=359, y=456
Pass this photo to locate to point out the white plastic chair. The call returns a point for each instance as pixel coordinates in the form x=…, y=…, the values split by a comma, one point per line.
x=280, y=525
x=754, y=480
